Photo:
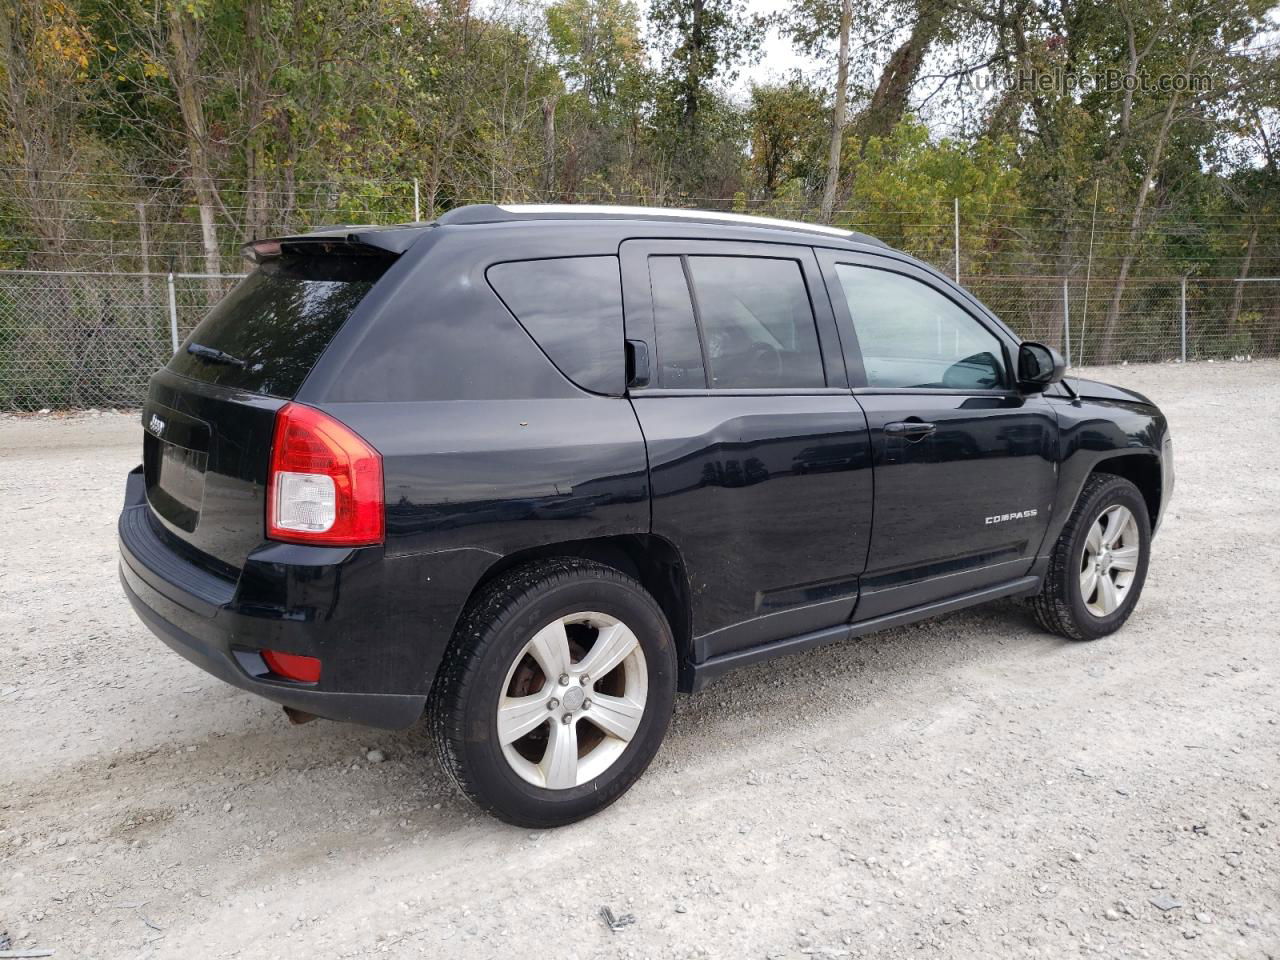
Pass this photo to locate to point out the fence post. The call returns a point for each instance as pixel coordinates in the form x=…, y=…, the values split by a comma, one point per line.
x=957, y=237
x=1184, y=319
x=417, y=209
x=173, y=315
x=144, y=245
x=1066, y=321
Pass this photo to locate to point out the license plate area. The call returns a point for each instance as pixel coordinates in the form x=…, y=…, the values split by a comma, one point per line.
x=175, y=458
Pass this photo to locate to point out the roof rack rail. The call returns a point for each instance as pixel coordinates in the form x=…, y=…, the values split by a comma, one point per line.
x=504, y=212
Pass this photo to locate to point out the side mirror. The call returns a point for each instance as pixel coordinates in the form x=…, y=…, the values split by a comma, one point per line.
x=1039, y=366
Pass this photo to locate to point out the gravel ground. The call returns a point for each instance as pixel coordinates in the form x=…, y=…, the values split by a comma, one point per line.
x=967, y=787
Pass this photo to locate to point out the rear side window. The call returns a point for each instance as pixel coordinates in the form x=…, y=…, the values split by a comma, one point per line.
x=757, y=323
x=679, y=353
x=572, y=307
x=266, y=334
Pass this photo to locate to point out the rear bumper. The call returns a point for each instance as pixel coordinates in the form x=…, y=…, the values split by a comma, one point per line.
x=221, y=626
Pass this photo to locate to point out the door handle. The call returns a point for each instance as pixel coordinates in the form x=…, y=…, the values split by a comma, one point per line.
x=911, y=429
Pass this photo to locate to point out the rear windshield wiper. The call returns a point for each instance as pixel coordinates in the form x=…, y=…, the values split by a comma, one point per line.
x=213, y=355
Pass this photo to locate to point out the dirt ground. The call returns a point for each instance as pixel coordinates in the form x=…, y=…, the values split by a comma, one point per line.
x=966, y=787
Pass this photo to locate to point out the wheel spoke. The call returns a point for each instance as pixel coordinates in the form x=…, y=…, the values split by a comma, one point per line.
x=613, y=645
x=560, y=763
x=1107, y=598
x=518, y=716
x=1117, y=519
x=1093, y=543
x=616, y=716
x=1126, y=558
x=1088, y=583
x=550, y=648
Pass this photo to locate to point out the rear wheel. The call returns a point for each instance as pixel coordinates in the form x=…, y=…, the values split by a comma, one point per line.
x=1099, y=564
x=556, y=692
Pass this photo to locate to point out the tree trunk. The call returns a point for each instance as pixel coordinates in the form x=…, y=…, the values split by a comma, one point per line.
x=838, y=114
x=889, y=102
x=1238, y=297
x=693, y=76
x=1106, y=351
x=549, y=146
x=184, y=40
x=255, y=111
x=40, y=106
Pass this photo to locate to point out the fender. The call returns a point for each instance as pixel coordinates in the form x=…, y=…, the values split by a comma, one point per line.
x=1106, y=423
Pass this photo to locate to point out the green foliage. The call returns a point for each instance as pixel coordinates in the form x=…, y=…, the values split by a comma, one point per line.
x=788, y=125
x=701, y=43
x=904, y=187
x=315, y=112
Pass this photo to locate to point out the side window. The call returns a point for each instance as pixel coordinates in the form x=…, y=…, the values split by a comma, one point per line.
x=572, y=307
x=910, y=335
x=757, y=325
x=679, y=359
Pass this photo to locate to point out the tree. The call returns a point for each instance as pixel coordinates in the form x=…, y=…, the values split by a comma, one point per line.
x=786, y=123
x=601, y=56
x=44, y=54
x=701, y=41
x=839, y=114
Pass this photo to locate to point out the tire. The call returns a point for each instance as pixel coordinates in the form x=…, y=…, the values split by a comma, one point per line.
x=504, y=654
x=1062, y=606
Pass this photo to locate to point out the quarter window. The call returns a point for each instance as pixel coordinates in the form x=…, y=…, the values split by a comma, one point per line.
x=572, y=307
x=910, y=335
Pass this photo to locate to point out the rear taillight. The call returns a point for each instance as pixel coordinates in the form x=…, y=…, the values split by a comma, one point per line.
x=325, y=484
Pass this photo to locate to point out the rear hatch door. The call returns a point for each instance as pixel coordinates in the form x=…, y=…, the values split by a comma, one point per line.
x=210, y=414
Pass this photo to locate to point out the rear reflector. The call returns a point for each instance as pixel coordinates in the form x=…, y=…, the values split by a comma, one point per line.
x=325, y=483
x=292, y=666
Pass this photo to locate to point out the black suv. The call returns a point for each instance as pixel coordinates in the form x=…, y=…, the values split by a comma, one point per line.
x=534, y=469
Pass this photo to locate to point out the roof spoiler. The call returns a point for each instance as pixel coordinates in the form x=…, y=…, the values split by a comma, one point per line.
x=350, y=241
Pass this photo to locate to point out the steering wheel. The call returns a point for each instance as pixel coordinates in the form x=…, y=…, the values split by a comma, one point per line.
x=766, y=361
x=980, y=371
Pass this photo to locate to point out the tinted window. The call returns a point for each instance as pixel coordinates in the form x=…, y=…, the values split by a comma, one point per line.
x=572, y=307
x=274, y=325
x=757, y=324
x=679, y=354
x=911, y=335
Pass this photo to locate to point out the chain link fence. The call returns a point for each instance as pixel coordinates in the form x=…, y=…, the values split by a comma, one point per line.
x=1098, y=321
x=80, y=340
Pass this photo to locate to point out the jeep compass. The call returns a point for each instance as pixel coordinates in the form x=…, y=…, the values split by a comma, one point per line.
x=531, y=470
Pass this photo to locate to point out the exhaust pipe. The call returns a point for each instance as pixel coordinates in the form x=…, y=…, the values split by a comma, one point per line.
x=298, y=717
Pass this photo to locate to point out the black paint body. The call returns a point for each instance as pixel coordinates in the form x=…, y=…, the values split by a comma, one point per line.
x=765, y=520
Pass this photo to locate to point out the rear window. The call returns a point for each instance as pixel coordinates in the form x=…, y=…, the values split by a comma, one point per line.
x=572, y=307
x=267, y=333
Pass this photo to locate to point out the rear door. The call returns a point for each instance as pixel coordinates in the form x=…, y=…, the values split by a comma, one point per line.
x=210, y=414
x=759, y=459
x=965, y=465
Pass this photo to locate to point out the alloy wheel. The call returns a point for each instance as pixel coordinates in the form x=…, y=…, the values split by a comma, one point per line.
x=573, y=700
x=1110, y=560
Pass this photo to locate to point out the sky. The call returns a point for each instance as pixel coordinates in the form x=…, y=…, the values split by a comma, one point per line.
x=779, y=56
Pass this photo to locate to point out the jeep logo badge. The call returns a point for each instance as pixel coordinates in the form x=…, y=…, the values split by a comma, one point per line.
x=156, y=425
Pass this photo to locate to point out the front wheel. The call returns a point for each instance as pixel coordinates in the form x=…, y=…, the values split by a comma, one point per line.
x=1099, y=564
x=556, y=692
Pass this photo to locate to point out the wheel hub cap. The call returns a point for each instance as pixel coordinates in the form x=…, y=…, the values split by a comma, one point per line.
x=572, y=699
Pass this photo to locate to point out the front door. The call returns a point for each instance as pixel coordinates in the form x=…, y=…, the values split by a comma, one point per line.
x=759, y=460
x=965, y=464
